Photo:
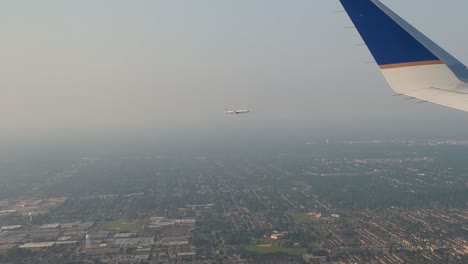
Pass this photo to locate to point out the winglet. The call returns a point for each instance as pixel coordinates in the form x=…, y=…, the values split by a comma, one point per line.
x=411, y=63
x=394, y=42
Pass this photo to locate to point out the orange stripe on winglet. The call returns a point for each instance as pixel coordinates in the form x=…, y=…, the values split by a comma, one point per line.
x=410, y=64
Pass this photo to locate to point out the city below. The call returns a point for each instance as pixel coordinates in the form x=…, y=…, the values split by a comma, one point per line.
x=383, y=202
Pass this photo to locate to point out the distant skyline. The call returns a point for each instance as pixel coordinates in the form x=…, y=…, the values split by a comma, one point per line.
x=167, y=69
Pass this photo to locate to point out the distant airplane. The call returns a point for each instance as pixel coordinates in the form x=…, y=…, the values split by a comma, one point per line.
x=235, y=112
x=411, y=63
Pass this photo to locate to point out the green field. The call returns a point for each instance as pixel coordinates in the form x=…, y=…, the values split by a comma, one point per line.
x=274, y=249
x=174, y=231
x=301, y=217
x=257, y=246
x=121, y=226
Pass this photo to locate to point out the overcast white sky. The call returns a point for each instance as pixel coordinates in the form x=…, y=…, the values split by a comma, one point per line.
x=111, y=67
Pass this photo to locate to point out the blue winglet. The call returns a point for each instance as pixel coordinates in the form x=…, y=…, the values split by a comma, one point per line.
x=393, y=41
x=388, y=42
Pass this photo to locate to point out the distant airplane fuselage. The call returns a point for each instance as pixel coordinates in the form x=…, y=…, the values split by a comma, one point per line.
x=235, y=112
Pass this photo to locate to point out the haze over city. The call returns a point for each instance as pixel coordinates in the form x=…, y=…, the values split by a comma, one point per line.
x=167, y=69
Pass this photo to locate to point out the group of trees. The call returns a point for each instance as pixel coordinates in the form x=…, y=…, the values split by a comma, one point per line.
x=361, y=192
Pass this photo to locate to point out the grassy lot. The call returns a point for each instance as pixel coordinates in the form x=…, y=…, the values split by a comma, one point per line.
x=269, y=246
x=301, y=217
x=273, y=249
x=174, y=231
x=121, y=226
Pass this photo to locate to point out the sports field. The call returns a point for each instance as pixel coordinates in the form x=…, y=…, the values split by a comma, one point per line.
x=301, y=217
x=121, y=226
x=274, y=249
x=268, y=246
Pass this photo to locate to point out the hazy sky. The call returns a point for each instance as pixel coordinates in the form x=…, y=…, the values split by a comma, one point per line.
x=153, y=67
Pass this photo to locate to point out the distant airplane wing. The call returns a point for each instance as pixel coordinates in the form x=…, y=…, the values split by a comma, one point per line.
x=237, y=112
x=411, y=63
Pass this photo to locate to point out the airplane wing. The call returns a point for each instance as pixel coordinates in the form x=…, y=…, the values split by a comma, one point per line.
x=411, y=63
